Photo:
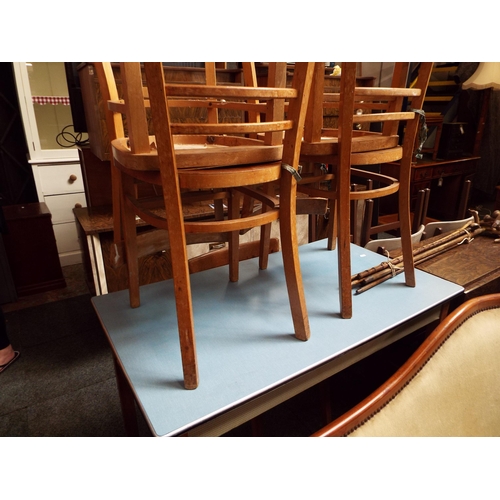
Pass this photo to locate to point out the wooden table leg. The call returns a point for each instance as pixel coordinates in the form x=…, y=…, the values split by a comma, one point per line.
x=127, y=401
x=445, y=309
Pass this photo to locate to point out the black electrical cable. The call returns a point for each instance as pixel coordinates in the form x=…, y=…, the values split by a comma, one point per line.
x=71, y=138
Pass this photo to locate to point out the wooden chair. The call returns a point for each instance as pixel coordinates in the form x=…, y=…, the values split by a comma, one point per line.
x=153, y=241
x=350, y=145
x=450, y=386
x=204, y=158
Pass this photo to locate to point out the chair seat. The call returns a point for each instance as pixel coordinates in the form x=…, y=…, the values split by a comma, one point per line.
x=196, y=151
x=364, y=146
x=217, y=176
x=228, y=177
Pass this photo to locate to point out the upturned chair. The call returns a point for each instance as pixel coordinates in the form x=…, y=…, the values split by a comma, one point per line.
x=206, y=159
x=153, y=241
x=344, y=151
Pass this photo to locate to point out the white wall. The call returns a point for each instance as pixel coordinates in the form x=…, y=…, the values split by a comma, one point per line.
x=382, y=71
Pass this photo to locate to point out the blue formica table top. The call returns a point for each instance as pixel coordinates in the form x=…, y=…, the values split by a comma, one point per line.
x=244, y=332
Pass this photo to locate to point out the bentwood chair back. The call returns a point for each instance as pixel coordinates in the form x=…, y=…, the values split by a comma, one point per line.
x=206, y=158
x=345, y=151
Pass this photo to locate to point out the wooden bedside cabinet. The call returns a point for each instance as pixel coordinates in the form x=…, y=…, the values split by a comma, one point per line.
x=31, y=249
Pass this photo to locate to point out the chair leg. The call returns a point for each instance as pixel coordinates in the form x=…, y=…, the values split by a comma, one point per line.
x=405, y=223
x=265, y=233
x=184, y=307
x=117, y=250
x=343, y=190
x=234, y=237
x=356, y=236
x=464, y=199
x=333, y=221
x=427, y=192
x=418, y=212
x=130, y=239
x=265, y=240
x=344, y=249
x=367, y=222
x=406, y=243
x=219, y=209
x=290, y=253
x=182, y=284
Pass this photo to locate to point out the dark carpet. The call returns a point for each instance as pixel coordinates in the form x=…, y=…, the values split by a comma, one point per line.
x=63, y=383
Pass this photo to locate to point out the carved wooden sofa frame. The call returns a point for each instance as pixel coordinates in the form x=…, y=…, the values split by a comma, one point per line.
x=449, y=387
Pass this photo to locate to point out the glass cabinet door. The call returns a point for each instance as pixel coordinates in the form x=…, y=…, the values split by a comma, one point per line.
x=46, y=109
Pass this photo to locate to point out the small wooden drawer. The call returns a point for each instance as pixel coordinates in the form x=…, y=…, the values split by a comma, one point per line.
x=446, y=170
x=420, y=174
x=59, y=179
x=61, y=207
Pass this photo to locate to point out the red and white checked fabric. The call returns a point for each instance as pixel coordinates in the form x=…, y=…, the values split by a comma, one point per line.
x=42, y=99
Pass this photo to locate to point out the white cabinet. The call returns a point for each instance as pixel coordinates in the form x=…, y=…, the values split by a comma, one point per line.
x=46, y=113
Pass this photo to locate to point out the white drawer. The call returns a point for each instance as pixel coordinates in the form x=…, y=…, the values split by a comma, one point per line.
x=59, y=179
x=61, y=207
x=66, y=237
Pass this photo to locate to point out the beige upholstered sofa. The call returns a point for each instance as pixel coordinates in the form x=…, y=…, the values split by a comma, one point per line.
x=449, y=387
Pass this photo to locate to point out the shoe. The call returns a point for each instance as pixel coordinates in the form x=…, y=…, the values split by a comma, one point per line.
x=4, y=367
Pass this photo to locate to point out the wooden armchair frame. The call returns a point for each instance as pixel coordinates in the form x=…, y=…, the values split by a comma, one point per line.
x=450, y=386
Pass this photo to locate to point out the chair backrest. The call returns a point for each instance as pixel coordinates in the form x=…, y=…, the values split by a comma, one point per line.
x=389, y=244
x=449, y=387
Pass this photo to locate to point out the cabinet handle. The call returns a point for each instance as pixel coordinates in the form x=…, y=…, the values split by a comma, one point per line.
x=78, y=205
x=72, y=178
